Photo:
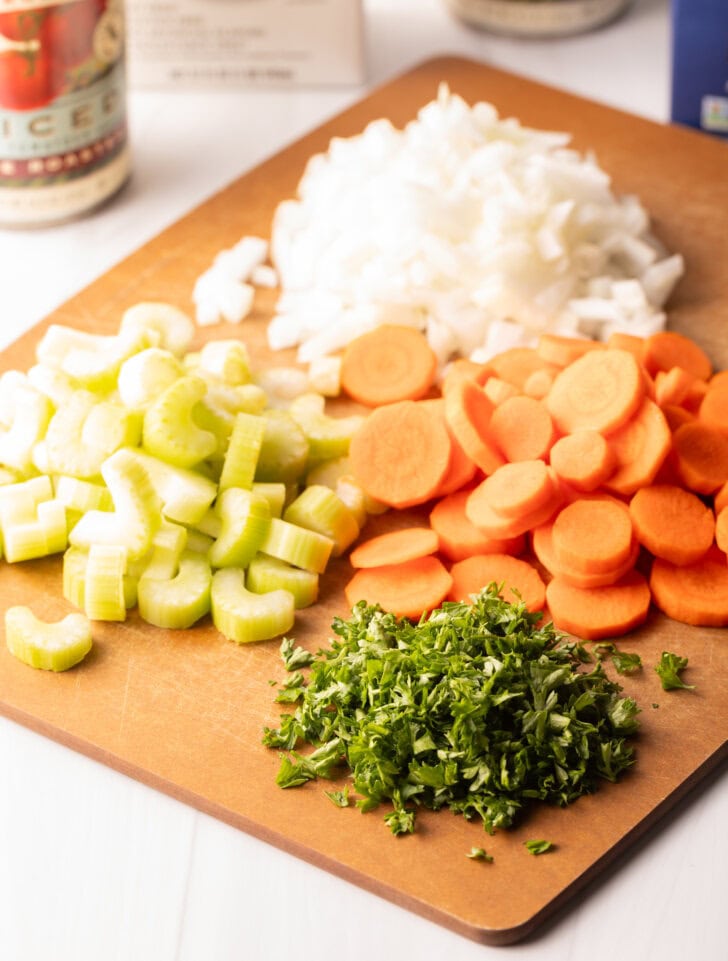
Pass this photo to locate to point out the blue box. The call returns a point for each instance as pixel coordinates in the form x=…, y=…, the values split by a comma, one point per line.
x=700, y=64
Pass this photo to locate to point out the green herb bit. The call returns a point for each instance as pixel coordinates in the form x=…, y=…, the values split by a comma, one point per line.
x=480, y=854
x=668, y=670
x=477, y=708
x=294, y=657
x=339, y=798
x=538, y=847
x=624, y=662
x=292, y=690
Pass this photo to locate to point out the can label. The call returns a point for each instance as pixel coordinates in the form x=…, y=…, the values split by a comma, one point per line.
x=63, y=139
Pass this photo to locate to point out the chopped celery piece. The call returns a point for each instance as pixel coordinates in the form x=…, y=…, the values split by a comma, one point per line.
x=32, y=412
x=351, y=494
x=275, y=494
x=248, y=398
x=52, y=382
x=186, y=494
x=83, y=433
x=59, y=341
x=137, y=509
x=104, y=596
x=284, y=451
x=9, y=477
x=297, y=546
x=143, y=376
x=242, y=616
x=170, y=327
x=241, y=457
x=283, y=384
x=219, y=421
x=245, y=520
x=327, y=437
x=319, y=509
x=227, y=360
x=74, y=576
x=45, y=533
x=81, y=495
x=328, y=472
x=269, y=574
x=18, y=501
x=324, y=375
x=169, y=429
x=179, y=601
x=210, y=524
x=49, y=646
x=9, y=383
x=198, y=542
x=97, y=367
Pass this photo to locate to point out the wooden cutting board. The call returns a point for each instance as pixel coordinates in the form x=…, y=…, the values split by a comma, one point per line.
x=184, y=711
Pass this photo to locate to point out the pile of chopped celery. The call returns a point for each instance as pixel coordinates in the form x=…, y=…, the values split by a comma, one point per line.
x=179, y=482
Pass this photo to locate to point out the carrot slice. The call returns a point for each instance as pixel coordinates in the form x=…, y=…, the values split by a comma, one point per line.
x=721, y=529
x=719, y=379
x=693, y=593
x=388, y=364
x=540, y=382
x=668, y=348
x=407, y=590
x=516, y=365
x=713, y=408
x=673, y=386
x=461, y=468
x=395, y=547
x=720, y=498
x=519, y=578
x=522, y=428
x=497, y=391
x=561, y=351
x=622, y=341
x=468, y=412
x=460, y=538
x=701, y=456
x=640, y=447
x=676, y=416
x=600, y=391
x=583, y=459
x=478, y=509
x=592, y=536
x=543, y=548
x=672, y=523
x=463, y=369
x=400, y=454
x=599, y=612
x=519, y=488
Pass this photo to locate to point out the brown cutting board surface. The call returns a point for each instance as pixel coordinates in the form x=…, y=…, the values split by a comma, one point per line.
x=183, y=711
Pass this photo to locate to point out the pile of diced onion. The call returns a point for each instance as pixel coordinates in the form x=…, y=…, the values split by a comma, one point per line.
x=475, y=229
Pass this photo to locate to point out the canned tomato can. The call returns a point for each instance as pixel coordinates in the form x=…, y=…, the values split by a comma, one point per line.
x=63, y=131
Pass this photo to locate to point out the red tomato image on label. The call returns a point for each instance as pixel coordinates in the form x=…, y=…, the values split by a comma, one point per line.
x=22, y=25
x=27, y=80
x=67, y=31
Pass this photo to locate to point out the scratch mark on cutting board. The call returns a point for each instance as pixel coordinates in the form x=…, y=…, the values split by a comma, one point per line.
x=124, y=699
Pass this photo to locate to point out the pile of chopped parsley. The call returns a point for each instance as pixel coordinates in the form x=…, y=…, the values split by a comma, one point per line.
x=475, y=708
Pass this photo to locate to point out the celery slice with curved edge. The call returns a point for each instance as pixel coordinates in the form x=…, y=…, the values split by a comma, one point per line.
x=83, y=433
x=327, y=437
x=49, y=646
x=177, y=602
x=81, y=495
x=242, y=616
x=137, y=509
x=31, y=414
x=275, y=494
x=74, y=576
x=245, y=520
x=170, y=432
x=143, y=376
x=33, y=522
x=104, y=596
x=169, y=326
x=59, y=341
x=199, y=543
x=297, y=546
x=319, y=509
x=248, y=398
x=227, y=360
x=284, y=451
x=52, y=382
x=219, y=422
x=186, y=494
x=97, y=367
x=241, y=457
x=269, y=574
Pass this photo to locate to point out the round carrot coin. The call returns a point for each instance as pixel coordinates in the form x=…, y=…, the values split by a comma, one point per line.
x=693, y=593
x=599, y=612
x=593, y=536
x=388, y=364
x=672, y=523
x=519, y=579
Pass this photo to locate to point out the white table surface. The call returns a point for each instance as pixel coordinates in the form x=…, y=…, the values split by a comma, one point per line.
x=94, y=865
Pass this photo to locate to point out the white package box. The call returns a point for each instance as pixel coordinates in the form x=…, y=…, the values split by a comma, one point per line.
x=236, y=43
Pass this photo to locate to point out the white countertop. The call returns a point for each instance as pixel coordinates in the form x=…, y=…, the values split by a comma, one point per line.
x=96, y=866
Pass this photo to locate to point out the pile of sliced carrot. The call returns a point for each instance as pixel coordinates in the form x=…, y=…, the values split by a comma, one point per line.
x=589, y=478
